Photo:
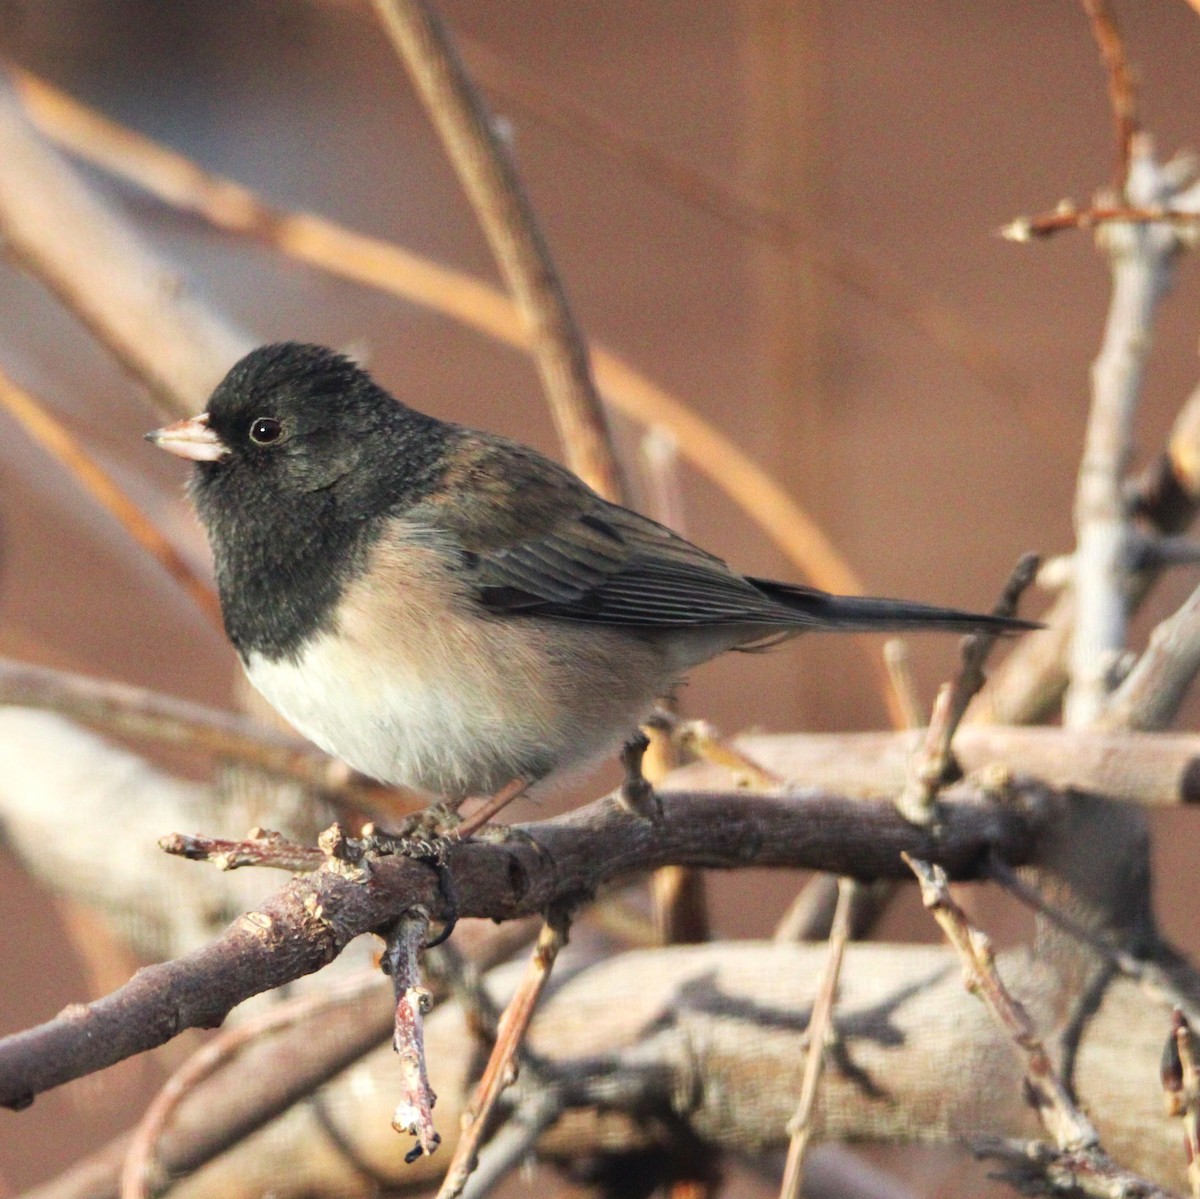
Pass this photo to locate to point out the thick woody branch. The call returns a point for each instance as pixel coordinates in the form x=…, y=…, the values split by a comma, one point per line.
x=310, y=920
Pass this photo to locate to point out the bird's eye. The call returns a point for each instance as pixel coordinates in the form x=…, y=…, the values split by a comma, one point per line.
x=265, y=429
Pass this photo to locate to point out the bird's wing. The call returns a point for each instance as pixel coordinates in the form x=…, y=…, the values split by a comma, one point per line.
x=533, y=539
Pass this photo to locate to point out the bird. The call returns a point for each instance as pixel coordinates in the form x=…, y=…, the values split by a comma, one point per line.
x=450, y=611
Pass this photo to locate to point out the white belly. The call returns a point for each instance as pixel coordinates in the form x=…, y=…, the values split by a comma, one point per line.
x=425, y=693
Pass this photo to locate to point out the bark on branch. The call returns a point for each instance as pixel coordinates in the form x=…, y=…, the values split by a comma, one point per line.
x=310, y=920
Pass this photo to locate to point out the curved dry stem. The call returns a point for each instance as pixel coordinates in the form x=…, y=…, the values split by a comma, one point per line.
x=59, y=443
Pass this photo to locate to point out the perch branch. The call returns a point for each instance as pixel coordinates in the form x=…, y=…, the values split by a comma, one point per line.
x=489, y=177
x=310, y=920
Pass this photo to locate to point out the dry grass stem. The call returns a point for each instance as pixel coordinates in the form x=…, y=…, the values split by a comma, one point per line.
x=820, y=1028
x=61, y=445
x=501, y=1069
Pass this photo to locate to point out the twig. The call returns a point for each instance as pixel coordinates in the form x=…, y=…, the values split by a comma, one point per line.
x=1076, y=1155
x=501, y=1069
x=148, y=715
x=698, y=737
x=139, y=1177
x=1067, y=1125
x=899, y=667
x=1141, y=258
x=810, y=915
x=856, y=268
x=933, y=764
x=1122, y=86
x=308, y=921
x=139, y=310
x=1154, y=981
x=1035, y=1168
x=262, y=847
x=820, y=1026
x=489, y=177
x=1068, y=216
x=1181, y=1091
x=513, y=1143
x=414, y=1110
x=54, y=438
x=1150, y=695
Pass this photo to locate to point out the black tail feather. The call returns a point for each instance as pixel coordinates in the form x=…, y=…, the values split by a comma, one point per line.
x=853, y=613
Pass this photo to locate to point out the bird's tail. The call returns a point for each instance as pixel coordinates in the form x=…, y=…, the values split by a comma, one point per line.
x=853, y=613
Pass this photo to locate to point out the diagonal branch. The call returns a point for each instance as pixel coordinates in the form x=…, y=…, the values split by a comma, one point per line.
x=489, y=176
x=310, y=920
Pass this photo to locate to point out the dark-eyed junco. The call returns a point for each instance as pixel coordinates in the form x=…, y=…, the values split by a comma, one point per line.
x=448, y=610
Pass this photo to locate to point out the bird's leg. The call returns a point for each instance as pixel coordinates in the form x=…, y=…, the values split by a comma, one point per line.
x=489, y=808
x=635, y=794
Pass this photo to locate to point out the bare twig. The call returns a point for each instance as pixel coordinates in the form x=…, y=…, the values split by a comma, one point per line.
x=310, y=919
x=1035, y=1167
x=1181, y=1088
x=141, y=1175
x=1068, y=216
x=414, y=1110
x=1076, y=1154
x=489, y=177
x=1141, y=258
x=698, y=737
x=262, y=847
x=1150, y=695
x=54, y=438
x=933, y=764
x=1122, y=86
x=1067, y=1125
x=501, y=1069
x=134, y=306
x=820, y=1027
x=904, y=688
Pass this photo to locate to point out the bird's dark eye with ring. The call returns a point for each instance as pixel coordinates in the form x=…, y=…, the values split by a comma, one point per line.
x=265, y=429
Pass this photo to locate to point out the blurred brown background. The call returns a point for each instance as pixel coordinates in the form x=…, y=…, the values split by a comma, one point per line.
x=904, y=135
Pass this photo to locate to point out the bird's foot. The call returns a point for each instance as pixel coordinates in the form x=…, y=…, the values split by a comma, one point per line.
x=636, y=794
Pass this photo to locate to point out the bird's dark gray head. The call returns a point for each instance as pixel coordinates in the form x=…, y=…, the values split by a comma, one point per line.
x=296, y=454
x=294, y=419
